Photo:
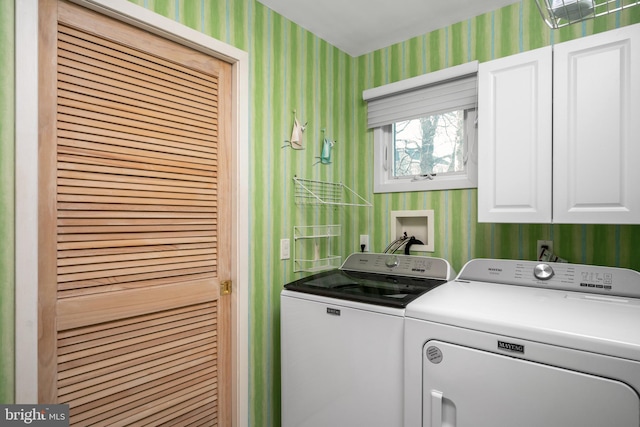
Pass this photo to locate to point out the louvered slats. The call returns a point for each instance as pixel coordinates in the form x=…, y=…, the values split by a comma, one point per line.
x=138, y=333
x=121, y=372
x=133, y=172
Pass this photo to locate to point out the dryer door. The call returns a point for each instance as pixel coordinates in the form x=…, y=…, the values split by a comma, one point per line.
x=465, y=387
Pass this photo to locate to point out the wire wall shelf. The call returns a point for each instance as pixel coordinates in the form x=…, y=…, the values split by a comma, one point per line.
x=315, y=231
x=318, y=265
x=312, y=248
x=560, y=13
x=322, y=193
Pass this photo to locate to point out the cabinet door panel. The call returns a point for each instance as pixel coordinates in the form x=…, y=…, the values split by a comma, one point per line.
x=596, y=126
x=514, y=138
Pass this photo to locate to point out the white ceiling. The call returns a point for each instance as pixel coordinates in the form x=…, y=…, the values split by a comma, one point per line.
x=362, y=26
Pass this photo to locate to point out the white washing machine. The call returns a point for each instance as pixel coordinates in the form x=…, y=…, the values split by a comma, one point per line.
x=342, y=337
x=527, y=344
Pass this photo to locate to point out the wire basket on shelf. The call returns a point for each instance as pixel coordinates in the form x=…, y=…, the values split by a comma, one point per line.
x=560, y=13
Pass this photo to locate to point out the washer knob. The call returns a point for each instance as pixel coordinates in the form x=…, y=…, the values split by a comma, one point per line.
x=543, y=271
x=391, y=261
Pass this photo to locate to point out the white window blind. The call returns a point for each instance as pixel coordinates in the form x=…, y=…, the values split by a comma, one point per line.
x=450, y=89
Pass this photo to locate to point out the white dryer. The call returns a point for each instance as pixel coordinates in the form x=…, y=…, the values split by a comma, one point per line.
x=519, y=343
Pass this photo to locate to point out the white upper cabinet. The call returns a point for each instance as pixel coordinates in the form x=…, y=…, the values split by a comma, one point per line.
x=514, y=138
x=596, y=129
x=584, y=170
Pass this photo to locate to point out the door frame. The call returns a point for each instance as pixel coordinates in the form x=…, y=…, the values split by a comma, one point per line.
x=26, y=226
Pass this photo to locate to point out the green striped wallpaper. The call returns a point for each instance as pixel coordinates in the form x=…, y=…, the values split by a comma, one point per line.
x=293, y=70
x=7, y=241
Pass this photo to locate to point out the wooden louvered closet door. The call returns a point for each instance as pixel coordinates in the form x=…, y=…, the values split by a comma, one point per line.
x=134, y=224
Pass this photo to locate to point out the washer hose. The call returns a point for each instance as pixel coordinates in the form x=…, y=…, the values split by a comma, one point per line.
x=412, y=241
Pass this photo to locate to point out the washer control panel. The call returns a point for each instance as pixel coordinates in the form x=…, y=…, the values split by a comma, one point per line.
x=565, y=276
x=400, y=265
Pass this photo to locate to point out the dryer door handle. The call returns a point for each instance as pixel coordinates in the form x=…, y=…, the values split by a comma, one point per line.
x=443, y=410
x=436, y=408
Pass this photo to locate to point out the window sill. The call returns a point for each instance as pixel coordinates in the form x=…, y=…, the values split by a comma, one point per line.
x=437, y=183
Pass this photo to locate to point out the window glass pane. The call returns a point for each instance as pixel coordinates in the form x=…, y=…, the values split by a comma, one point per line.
x=429, y=145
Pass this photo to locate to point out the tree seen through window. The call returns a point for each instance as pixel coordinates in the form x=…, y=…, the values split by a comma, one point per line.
x=429, y=145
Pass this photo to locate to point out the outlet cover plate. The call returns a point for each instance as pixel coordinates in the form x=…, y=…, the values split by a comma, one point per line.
x=540, y=244
x=364, y=240
x=285, y=249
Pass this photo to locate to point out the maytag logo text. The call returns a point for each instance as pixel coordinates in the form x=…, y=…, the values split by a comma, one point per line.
x=516, y=348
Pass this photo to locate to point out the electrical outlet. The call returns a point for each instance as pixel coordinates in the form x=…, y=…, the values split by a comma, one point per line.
x=285, y=249
x=543, y=243
x=364, y=240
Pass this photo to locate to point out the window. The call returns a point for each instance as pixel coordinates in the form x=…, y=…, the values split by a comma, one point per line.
x=424, y=131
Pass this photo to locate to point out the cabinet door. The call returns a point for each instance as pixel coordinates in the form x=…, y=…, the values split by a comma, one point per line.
x=596, y=128
x=514, y=138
